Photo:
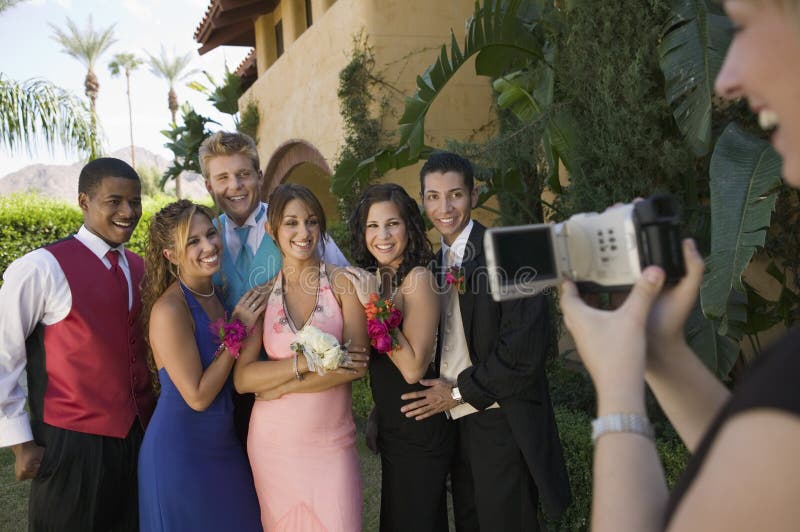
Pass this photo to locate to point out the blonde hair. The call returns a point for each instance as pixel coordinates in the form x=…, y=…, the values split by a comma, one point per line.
x=227, y=143
x=169, y=229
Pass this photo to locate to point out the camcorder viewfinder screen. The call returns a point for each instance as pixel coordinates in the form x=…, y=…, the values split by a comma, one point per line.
x=524, y=256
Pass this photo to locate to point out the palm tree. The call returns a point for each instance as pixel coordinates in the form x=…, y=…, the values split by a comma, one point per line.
x=127, y=63
x=38, y=111
x=86, y=46
x=171, y=68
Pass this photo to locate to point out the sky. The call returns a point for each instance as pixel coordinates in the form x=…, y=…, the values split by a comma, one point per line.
x=28, y=51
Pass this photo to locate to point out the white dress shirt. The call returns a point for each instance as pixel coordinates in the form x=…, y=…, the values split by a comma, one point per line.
x=332, y=254
x=35, y=290
x=455, y=351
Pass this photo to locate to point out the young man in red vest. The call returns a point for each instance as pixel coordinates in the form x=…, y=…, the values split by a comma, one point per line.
x=69, y=317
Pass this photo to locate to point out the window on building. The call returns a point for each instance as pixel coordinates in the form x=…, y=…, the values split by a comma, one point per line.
x=279, y=38
x=309, y=17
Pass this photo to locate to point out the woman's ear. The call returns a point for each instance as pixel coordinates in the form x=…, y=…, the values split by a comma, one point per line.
x=170, y=256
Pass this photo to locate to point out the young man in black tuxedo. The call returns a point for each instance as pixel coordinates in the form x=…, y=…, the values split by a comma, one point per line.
x=492, y=373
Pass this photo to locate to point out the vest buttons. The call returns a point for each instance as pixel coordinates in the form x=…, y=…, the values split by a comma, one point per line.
x=131, y=321
x=132, y=340
x=133, y=360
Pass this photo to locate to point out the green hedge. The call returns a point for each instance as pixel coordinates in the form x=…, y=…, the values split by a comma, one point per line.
x=29, y=221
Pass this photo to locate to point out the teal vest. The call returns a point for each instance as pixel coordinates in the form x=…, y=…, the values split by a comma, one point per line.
x=233, y=283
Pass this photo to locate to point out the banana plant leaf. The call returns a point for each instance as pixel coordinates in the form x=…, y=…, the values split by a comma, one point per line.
x=718, y=352
x=744, y=180
x=691, y=53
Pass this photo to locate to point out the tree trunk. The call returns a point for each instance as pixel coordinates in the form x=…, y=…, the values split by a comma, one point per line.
x=172, y=102
x=91, y=88
x=130, y=115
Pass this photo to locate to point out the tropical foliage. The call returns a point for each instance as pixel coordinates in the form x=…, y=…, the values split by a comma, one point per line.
x=171, y=67
x=225, y=98
x=184, y=142
x=537, y=55
x=86, y=45
x=36, y=111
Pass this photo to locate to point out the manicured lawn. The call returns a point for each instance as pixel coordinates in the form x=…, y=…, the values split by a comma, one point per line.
x=13, y=496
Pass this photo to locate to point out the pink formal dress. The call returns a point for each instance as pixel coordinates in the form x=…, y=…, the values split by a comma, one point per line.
x=302, y=447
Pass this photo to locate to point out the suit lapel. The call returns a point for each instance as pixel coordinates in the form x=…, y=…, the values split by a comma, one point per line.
x=473, y=255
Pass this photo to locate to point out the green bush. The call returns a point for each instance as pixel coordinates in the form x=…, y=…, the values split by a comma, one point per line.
x=30, y=221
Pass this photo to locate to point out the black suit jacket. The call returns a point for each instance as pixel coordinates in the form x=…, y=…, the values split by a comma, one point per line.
x=508, y=346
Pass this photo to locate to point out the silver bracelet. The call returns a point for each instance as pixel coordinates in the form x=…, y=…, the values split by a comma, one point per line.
x=297, y=374
x=624, y=422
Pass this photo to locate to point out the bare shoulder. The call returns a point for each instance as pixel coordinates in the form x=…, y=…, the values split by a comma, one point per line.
x=340, y=282
x=169, y=308
x=752, y=471
x=419, y=281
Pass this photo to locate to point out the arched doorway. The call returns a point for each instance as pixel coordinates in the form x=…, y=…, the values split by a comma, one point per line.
x=297, y=161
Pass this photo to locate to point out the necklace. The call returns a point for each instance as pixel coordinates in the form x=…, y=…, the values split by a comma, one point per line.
x=195, y=292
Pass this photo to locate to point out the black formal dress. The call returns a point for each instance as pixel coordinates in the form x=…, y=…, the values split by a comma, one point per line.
x=771, y=382
x=510, y=457
x=415, y=455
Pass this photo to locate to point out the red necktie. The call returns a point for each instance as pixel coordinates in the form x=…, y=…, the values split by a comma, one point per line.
x=119, y=275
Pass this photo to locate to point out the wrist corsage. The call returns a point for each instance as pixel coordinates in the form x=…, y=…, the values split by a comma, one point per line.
x=323, y=351
x=455, y=277
x=383, y=319
x=229, y=335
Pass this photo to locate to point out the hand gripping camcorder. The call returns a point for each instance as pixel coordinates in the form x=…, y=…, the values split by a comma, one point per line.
x=600, y=252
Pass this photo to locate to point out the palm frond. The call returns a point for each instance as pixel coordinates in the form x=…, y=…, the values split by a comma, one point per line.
x=171, y=67
x=85, y=45
x=37, y=112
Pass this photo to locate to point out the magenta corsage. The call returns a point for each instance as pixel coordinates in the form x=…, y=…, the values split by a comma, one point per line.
x=455, y=277
x=229, y=335
x=383, y=319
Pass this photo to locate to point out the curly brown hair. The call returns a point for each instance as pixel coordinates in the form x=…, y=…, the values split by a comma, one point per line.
x=168, y=229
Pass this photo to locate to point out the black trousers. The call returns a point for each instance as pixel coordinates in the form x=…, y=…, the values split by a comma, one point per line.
x=86, y=482
x=492, y=487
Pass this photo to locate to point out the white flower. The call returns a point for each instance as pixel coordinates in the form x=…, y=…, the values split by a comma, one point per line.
x=322, y=350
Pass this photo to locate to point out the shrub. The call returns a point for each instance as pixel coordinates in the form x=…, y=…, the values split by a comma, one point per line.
x=30, y=221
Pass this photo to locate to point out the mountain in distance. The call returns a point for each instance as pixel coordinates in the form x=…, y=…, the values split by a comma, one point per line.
x=61, y=181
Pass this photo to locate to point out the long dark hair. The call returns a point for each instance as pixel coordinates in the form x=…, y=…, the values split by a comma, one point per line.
x=418, y=251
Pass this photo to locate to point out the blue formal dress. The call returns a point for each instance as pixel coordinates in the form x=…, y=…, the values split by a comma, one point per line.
x=193, y=472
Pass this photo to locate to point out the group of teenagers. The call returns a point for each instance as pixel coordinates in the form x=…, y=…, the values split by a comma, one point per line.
x=140, y=419
x=460, y=391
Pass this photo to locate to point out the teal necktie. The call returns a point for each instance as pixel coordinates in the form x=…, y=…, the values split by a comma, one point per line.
x=244, y=261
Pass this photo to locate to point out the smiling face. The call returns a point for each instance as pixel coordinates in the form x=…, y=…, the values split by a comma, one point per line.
x=298, y=232
x=386, y=234
x=112, y=208
x=198, y=257
x=761, y=66
x=448, y=203
x=235, y=184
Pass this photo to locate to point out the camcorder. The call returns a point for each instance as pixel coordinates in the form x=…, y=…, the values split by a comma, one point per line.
x=600, y=252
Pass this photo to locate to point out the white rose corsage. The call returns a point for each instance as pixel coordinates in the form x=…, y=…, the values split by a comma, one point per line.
x=322, y=350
